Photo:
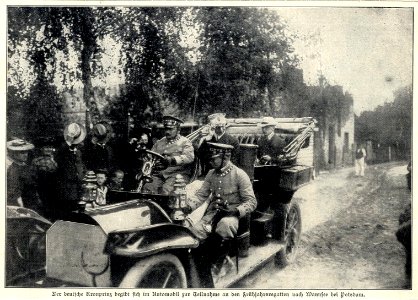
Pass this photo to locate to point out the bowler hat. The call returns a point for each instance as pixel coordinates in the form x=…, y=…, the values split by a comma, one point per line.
x=74, y=133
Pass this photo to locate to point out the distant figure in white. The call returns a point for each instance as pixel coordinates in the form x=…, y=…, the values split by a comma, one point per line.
x=360, y=157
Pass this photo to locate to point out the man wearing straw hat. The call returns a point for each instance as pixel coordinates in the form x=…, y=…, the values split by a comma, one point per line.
x=270, y=144
x=70, y=170
x=21, y=188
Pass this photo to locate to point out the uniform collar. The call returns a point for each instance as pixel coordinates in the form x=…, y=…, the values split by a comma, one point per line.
x=225, y=170
x=172, y=141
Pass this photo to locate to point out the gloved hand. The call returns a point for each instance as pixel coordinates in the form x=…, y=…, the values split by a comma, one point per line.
x=266, y=157
x=230, y=212
x=170, y=160
x=187, y=210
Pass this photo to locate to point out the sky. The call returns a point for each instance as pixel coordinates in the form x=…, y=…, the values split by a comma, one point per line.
x=368, y=51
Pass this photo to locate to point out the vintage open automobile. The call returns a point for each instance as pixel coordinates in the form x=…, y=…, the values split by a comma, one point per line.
x=142, y=240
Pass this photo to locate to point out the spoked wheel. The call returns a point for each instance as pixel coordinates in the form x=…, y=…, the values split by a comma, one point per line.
x=158, y=271
x=292, y=237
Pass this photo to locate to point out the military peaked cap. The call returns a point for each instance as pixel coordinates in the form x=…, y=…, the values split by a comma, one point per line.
x=171, y=122
x=216, y=149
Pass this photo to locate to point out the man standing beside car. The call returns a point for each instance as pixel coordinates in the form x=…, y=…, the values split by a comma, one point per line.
x=98, y=154
x=70, y=171
x=179, y=154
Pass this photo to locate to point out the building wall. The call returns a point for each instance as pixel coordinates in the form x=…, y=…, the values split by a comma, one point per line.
x=345, y=142
x=337, y=142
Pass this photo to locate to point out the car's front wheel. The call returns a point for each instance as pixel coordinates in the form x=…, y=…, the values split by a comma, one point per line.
x=157, y=271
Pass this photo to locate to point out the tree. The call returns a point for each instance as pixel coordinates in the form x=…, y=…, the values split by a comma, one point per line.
x=389, y=124
x=241, y=51
x=40, y=110
x=152, y=62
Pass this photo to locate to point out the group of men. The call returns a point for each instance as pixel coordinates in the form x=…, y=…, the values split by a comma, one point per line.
x=218, y=151
x=51, y=183
x=60, y=174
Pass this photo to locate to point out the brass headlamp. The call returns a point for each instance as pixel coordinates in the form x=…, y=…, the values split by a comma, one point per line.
x=89, y=188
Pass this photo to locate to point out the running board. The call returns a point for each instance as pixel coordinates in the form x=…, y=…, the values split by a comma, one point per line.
x=258, y=256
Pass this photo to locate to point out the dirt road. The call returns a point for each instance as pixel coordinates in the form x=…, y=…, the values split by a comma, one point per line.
x=348, y=239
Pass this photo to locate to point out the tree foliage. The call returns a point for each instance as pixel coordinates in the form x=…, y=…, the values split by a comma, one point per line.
x=40, y=111
x=389, y=124
x=152, y=57
x=188, y=61
x=242, y=50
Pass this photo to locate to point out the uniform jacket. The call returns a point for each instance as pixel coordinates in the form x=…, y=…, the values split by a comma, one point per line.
x=183, y=152
x=272, y=147
x=233, y=185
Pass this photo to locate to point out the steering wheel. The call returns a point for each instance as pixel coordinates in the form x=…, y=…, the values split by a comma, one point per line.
x=152, y=161
x=158, y=161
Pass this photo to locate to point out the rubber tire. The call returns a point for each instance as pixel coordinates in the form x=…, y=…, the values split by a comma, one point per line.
x=283, y=258
x=142, y=269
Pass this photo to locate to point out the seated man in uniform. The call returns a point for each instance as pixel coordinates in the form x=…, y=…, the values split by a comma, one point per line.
x=179, y=154
x=231, y=197
x=270, y=144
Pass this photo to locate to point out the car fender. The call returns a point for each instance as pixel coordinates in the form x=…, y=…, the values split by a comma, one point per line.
x=151, y=240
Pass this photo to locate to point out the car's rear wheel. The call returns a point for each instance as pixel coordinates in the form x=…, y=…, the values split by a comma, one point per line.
x=158, y=271
x=292, y=234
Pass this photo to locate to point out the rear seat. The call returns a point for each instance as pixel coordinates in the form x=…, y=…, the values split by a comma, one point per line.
x=253, y=138
x=248, y=138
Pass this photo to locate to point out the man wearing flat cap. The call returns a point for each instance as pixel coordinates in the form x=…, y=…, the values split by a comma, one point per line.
x=179, y=154
x=231, y=197
x=21, y=187
x=270, y=145
x=70, y=170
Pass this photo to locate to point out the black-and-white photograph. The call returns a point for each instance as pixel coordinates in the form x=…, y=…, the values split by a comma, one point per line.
x=209, y=147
